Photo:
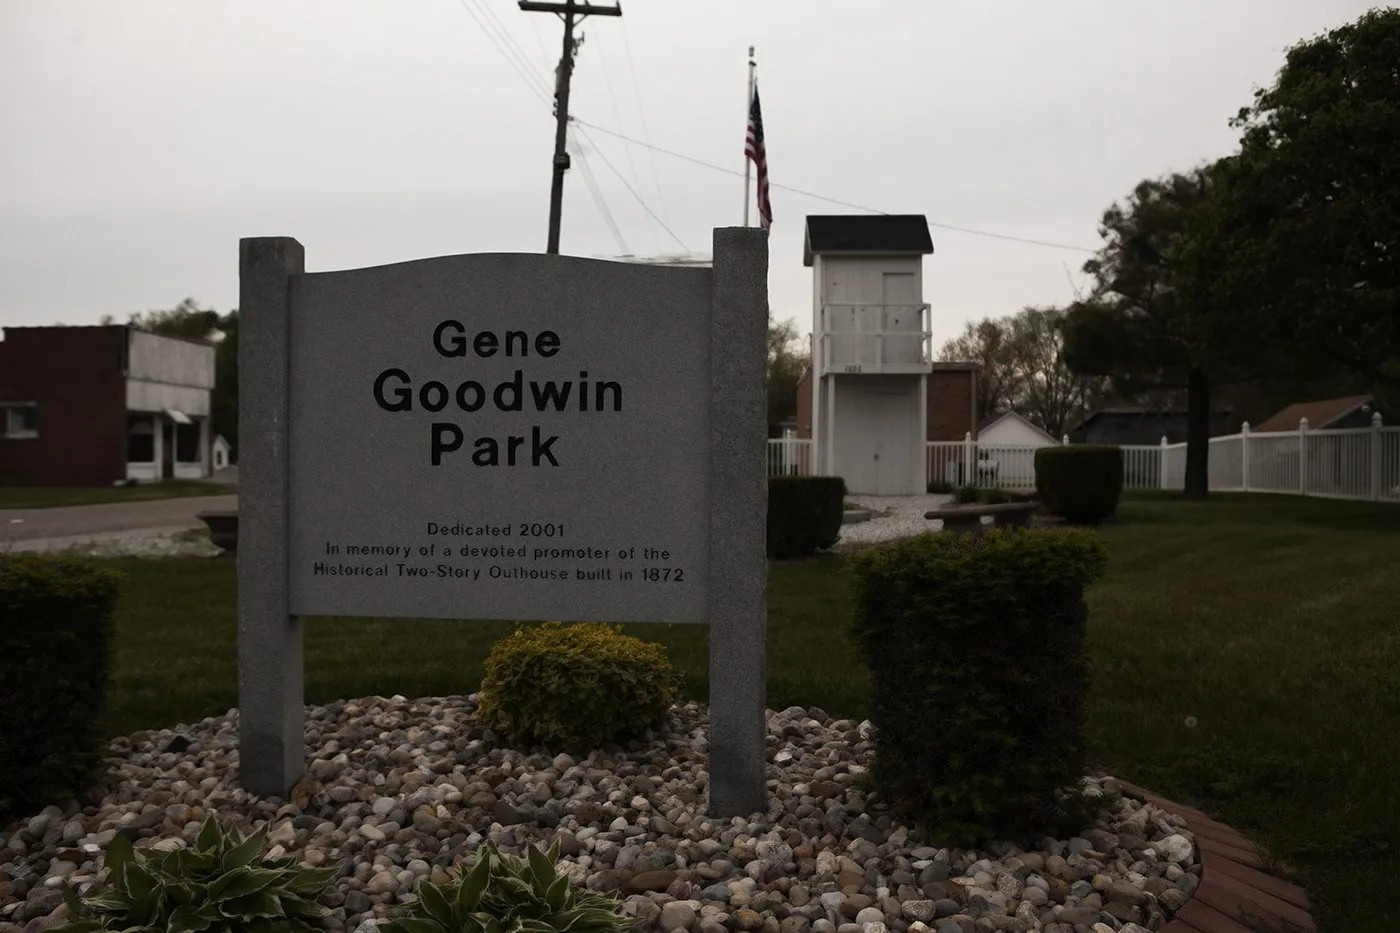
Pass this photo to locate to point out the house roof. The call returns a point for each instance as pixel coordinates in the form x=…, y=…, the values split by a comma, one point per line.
x=69, y=328
x=1141, y=411
x=996, y=417
x=1098, y=413
x=1319, y=414
x=866, y=233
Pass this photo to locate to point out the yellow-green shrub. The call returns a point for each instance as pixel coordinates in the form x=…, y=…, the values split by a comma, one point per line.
x=576, y=686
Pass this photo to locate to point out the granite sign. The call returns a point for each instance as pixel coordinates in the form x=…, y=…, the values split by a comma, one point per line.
x=507, y=437
x=503, y=436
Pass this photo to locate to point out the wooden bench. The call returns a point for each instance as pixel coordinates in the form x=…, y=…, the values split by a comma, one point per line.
x=969, y=517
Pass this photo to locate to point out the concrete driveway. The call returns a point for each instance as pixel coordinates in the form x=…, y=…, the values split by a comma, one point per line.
x=76, y=521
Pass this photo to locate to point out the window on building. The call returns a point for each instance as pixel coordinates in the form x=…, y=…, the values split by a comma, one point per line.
x=19, y=420
x=140, y=439
x=187, y=443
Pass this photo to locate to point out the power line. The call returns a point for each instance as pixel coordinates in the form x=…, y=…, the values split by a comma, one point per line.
x=587, y=171
x=524, y=76
x=822, y=197
x=620, y=178
x=646, y=131
x=508, y=38
x=617, y=112
x=534, y=28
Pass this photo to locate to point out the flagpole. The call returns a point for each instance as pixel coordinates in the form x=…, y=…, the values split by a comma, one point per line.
x=748, y=111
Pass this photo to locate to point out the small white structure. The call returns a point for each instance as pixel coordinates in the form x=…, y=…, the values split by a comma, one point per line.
x=169, y=381
x=870, y=350
x=1010, y=429
x=220, y=452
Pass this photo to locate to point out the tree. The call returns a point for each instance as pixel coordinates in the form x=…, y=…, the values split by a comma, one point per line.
x=1045, y=388
x=1138, y=327
x=787, y=364
x=224, y=402
x=1023, y=368
x=188, y=319
x=986, y=343
x=1305, y=236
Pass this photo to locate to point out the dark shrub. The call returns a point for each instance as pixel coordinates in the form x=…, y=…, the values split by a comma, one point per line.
x=804, y=514
x=975, y=646
x=981, y=495
x=1080, y=483
x=938, y=487
x=55, y=643
x=576, y=686
x=967, y=495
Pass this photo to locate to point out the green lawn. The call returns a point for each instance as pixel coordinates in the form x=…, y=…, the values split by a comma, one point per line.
x=49, y=497
x=1270, y=621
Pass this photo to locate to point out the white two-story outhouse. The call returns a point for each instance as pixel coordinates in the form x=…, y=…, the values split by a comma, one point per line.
x=871, y=356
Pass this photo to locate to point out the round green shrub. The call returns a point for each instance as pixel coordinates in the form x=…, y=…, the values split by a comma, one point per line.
x=576, y=686
x=1080, y=483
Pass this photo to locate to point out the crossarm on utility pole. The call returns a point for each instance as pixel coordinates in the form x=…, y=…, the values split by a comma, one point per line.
x=583, y=9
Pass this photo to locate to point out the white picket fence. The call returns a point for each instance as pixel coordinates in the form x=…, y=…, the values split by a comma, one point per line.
x=1354, y=463
x=1358, y=463
x=789, y=456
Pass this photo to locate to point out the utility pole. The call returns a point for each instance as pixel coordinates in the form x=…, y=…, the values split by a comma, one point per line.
x=566, y=10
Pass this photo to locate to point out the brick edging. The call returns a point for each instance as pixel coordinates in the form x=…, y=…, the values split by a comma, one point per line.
x=1234, y=895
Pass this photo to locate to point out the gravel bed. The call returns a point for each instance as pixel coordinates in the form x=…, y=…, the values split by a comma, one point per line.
x=891, y=518
x=150, y=542
x=401, y=789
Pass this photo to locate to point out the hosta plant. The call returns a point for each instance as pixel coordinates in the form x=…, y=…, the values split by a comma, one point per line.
x=506, y=893
x=219, y=885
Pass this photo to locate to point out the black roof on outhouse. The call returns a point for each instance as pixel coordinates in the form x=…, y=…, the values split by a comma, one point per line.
x=866, y=233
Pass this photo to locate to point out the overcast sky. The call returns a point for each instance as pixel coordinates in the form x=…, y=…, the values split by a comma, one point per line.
x=141, y=139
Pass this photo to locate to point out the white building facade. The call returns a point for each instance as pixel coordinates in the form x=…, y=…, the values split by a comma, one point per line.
x=169, y=384
x=870, y=350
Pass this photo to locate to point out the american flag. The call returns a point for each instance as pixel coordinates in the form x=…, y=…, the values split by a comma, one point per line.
x=753, y=149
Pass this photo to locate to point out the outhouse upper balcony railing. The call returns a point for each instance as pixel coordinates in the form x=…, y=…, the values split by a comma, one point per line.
x=874, y=338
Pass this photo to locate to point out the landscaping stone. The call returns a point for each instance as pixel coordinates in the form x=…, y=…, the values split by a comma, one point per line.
x=891, y=518
x=404, y=790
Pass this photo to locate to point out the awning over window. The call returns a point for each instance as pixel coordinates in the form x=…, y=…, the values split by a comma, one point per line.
x=179, y=417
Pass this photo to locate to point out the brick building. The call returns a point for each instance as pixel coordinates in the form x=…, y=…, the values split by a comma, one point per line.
x=96, y=406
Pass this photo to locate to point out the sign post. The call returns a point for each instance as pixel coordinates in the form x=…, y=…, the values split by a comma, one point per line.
x=503, y=436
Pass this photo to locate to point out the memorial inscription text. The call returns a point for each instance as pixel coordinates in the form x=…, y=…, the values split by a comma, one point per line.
x=517, y=557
